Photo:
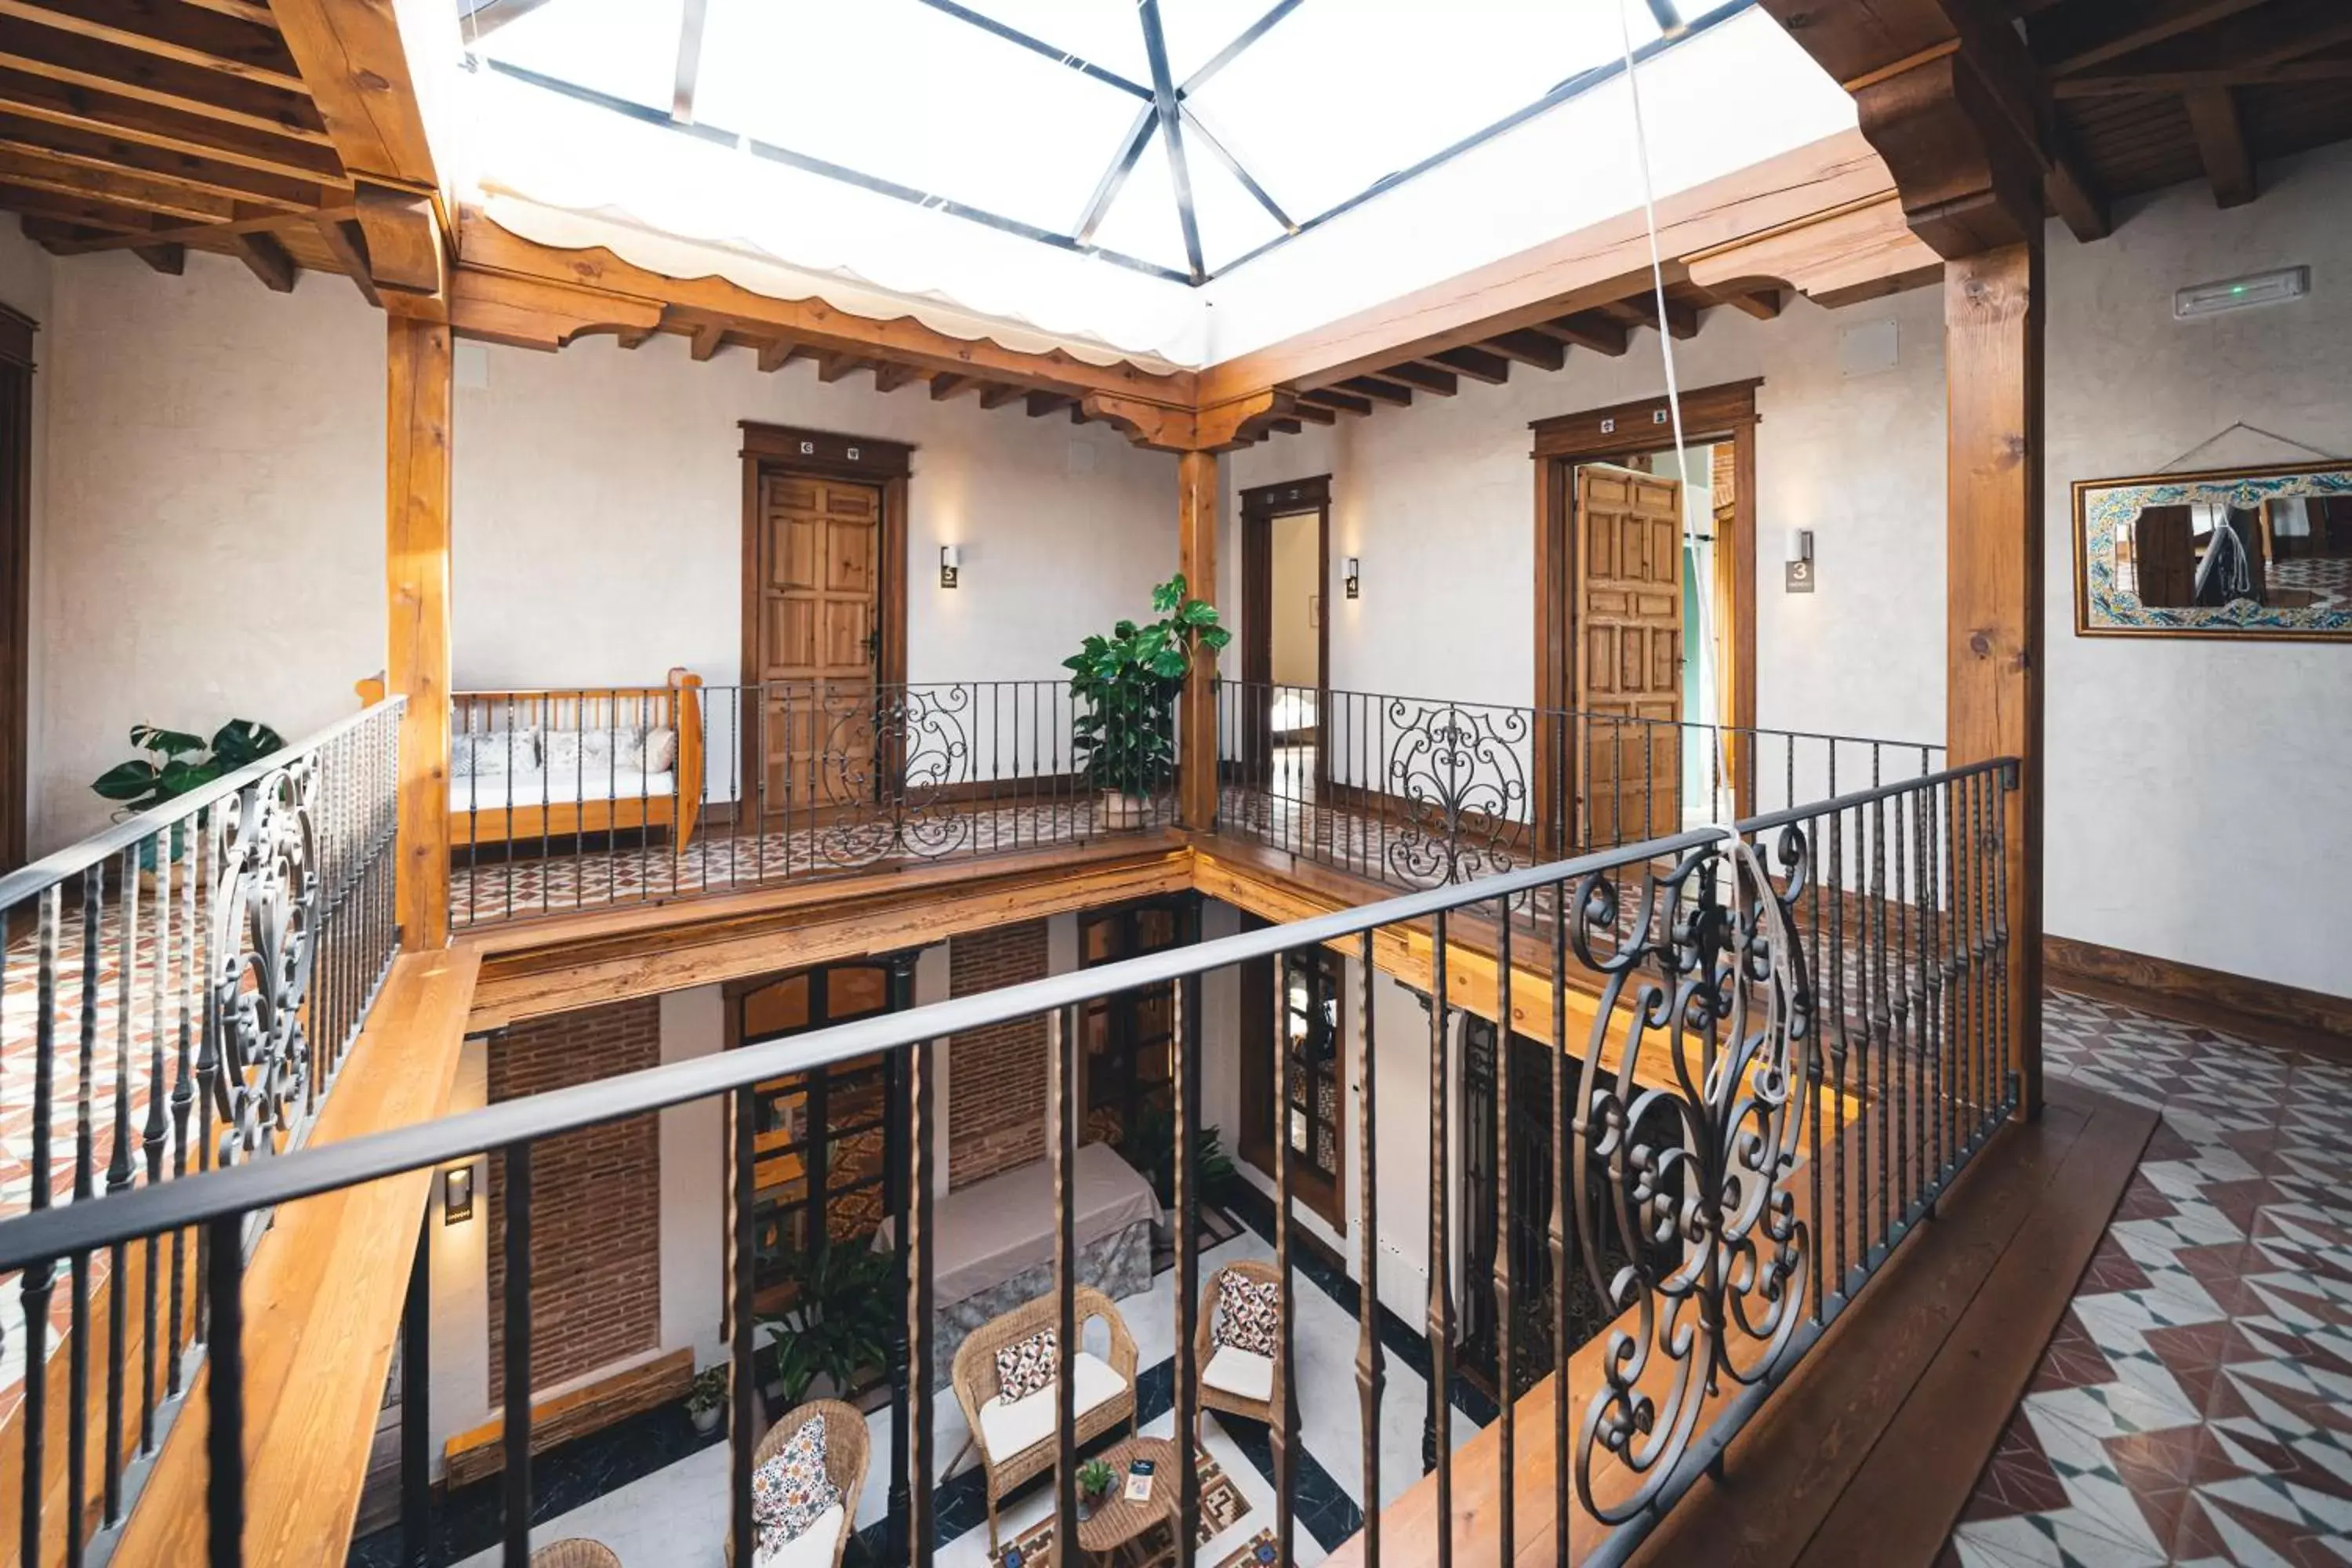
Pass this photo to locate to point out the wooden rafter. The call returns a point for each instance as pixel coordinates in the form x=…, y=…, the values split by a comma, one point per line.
x=997, y=397
x=38, y=171
x=830, y=368
x=267, y=259
x=1529, y=347
x=1642, y=310
x=1477, y=363
x=1331, y=397
x=1588, y=329
x=1379, y=390
x=169, y=260
x=2079, y=36
x=348, y=244
x=1424, y=377
x=705, y=340
x=85, y=151
x=946, y=383
x=889, y=377
x=31, y=96
x=182, y=34
x=1041, y=403
x=1316, y=414
x=75, y=60
x=231, y=231
x=2222, y=143
x=775, y=354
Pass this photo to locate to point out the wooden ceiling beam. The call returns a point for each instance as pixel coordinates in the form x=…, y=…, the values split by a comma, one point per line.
x=998, y=396
x=266, y=259
x=705, y=340
x=890, y=378
x=1344, y=402
x=2127, y=82
x=1642, y=310
x=947, y=384
x=110, y=221
x=2078, y=37
x=1287, y=426
x=1424, y=377
x=2220, y=138
x=348, y=244
x=2271, y=34
x=776, y=352
x=73, y=60
x=172, y=260
x=1044, y=403
x=254, y=11
x=185, y=34
x=100, y=154
x=1379, y=391
x=350, y=55
x=39, y=171
x=1477, y=363
x=208, y=233
x=1764, y=304
x=830, y=368
x=108, y=114
x=1315, y=414
x=1529, y=347
x=1589, y=329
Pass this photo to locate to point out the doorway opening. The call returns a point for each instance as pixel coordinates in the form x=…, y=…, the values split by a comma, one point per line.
x=1127, y=1043
x=1287, y=637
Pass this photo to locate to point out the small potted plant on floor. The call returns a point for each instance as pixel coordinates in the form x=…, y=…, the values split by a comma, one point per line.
x=1095, y=1481
x=705, y=1399
x=1124, y=734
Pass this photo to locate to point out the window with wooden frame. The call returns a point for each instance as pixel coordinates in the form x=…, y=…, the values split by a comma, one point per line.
x=1305, y=1018
x=818, y=1139
x=1126, y=1042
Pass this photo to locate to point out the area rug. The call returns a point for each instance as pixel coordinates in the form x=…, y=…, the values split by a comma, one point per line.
x=1257, y=1552
x=1221, y=1507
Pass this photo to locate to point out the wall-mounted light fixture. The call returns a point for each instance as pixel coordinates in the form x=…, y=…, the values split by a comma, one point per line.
x=1800, y=569
x=2272, y=288
x=1354, y=578
x=456, y=1195
x=951, y=565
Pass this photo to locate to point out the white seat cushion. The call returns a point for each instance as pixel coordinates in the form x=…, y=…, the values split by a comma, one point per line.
x=1242, y=1373
x=811, y=1548
x=1006, y=1429
x=490, y=791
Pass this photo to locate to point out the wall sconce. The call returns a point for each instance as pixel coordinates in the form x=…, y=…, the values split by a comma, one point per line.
x=456, y=1195
x=951, y=564
x=1353, y=577
x=1800, y=568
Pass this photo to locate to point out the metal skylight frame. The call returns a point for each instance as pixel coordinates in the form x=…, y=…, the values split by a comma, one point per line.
x=1165, y=111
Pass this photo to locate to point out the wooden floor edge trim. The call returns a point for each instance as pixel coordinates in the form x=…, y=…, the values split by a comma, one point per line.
x=2267, y=1011
x=1906, y=1496
x=323, y=1294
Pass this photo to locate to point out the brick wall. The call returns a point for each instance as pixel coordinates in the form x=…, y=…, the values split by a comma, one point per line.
x=996, y=1077
x=595, y=1208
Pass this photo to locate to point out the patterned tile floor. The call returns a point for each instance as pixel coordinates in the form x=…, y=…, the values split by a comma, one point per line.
x=2195, y=1405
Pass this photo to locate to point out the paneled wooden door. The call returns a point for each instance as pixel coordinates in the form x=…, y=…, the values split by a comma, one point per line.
x=819, y=574
x=1629, y=665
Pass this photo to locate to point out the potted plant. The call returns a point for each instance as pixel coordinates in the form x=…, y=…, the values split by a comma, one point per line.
x=1152, y=1152
x=1124, y=734
x=176, y=763
x=1095, y=1481
x=838, y=1325
x=706, y=1398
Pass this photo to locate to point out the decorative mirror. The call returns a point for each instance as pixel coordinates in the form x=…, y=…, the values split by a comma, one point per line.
x=2245, y=553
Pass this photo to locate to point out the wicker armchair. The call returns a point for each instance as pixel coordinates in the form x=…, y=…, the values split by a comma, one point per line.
x=975, y=1382
x=574, y=1554
x=1204, y=1345
x=846, y=1446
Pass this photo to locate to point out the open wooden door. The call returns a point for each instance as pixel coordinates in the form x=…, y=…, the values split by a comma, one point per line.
x=1629, y=665
x=818, y=552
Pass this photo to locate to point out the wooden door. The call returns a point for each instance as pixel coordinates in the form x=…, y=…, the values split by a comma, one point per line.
x=1629, y=666
x=818, y=575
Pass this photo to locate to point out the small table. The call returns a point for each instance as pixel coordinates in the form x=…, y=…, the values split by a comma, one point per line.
x=1118, y=1523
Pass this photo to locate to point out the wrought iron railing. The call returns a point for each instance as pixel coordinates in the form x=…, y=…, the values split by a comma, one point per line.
x=179, y=989
x=1783, y=1070
x=563, y=801
x=1417, y=792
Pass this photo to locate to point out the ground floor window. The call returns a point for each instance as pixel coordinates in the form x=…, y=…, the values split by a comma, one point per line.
x=1306, y=1022
x=1126, y=1042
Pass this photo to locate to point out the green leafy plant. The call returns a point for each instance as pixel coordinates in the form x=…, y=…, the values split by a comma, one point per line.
x=177, y=761
x=1124, y=736
x=1151, y=1149
x=708, y=1391
x=1094, y=1478
x=839, y=1322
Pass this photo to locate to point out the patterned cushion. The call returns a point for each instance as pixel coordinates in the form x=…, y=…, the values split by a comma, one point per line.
x=495, y=753
x=661, y=751
x=1248, y=1314
x=792, y=1490
x=1027, y=1366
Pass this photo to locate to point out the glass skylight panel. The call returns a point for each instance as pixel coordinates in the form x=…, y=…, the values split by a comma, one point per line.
x=1197, y=30
x=627, y=48
x=1343, y=95
x=903, y=92
x=1142, y=221
x=1102, y=32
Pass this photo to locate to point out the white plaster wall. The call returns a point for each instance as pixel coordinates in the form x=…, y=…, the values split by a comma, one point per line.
x=599, y=497
x=2199, y=790
x=693, y=1142
x=25, y=286
x=460, y=1383
x=1437, y=502
x=212, y=545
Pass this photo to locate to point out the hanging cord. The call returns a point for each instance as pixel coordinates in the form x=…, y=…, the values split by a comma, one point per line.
x=1709, y=674
x=2238, y=424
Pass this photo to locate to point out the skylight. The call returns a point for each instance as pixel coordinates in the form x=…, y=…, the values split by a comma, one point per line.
x=1177, y=138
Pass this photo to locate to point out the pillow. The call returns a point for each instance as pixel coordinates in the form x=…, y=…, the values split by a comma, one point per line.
x=495, y=753
x=661, y=751
x=791, y=1491
x=1248, y=1314
x=1026, y=1367
x=585, y=755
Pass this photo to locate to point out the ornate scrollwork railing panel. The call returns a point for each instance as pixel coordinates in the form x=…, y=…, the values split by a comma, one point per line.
x=1690, y=1185
x=1461, y=772
x=885, y=771
x=265, y=926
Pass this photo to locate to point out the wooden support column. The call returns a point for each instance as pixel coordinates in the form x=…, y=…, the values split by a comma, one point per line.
x=416, y=572
x=1196, y=554
x=1993, y=321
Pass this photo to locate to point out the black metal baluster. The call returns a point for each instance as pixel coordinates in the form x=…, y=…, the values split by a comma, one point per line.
x=2004, y=1088
x=1506, y=1427
x=416, y=1549
x=1836, y=993
x=1284, y=1431
x=1441, y=1253
x=514, y=1429
x=118, y=1175
x=224, y=1391
x=744, y=1257
x=39, y=1276
x=1900, y=985
x=93, y=904
x=1063, y=1124
x=1880, y=1023
x=1561, y=1186
x=1950, y=1008
x=921, y=1248
x=1370, y=1375
x=184, y=1094
x=896, y=1182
